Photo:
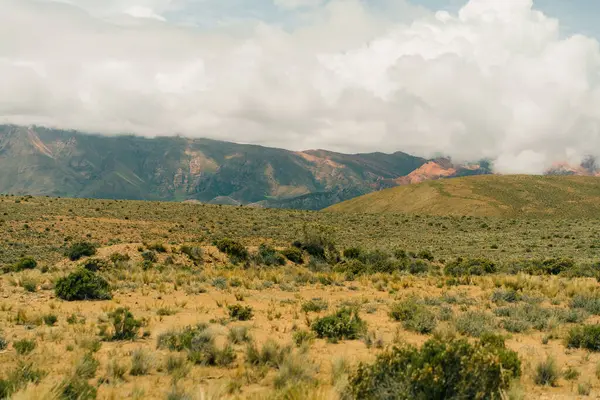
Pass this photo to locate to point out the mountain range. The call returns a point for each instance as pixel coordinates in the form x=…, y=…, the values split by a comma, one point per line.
x=42, y=161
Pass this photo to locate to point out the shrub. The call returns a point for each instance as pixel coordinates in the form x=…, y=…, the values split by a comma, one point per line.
x=344, y=324
x=82, y=285
x=546, y=373
x=508, y=296
x=302, y=337
x=571, y=374
x=79, y=250
x=199, y=344
x=468, y=267
x=141, y=362
x=50, y=319
x=425, y=255
x=318, y=242
x=590, y=303
x=24, y=346
x=474, y=323
x=117, y=258
x=268, y=256
x=75, y=388
x=24, y=263
x=124, y=325
x=314, y=305
x=293, y=254
x=150, y=256
x=352, y=253
x=586, y=337
x=194, y=253
x=235, y=250
x=94, y=264
x=452, y=369
x=414, y=316
x=240, y=313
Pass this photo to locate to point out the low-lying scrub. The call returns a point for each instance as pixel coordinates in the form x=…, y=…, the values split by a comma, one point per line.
x=344, y=324
x=439, y=370
x=584, y=337
x=82, y=285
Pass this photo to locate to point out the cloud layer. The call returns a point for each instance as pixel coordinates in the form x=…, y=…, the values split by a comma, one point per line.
x=496, y=80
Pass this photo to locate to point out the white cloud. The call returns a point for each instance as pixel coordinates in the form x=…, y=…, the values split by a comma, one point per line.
x=495, y=80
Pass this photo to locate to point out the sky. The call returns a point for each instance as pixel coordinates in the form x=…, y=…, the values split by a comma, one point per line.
x=514, y=81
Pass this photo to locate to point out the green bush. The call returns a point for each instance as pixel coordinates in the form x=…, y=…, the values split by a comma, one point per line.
x=318, y=242
x=589, y=303
x=468, y=267
x=124, y=325
x=24, y=346
x=352, y=253
x=24, y=263
x=79, y=250
x=50, y=319
x=585, y=337
x=82, y=285
x=235, y=250
x=344, y=324
x=293, y=254
x=240, y=313
x=94, y=264
x=314, y=305
x=474, y=323
x=414, y=316
x=268, y=256
x=425, y=255
x=194, y=253
x=439, y=370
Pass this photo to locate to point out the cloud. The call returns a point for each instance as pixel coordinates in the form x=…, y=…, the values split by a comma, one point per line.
x=494, y=80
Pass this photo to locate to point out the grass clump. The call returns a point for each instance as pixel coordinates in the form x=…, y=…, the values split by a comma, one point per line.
x=303, y=338
x=439, y=370
x=18, y=378
x=414, y=316
x=79, y=250
x=50, y=319
x=546, y=373
x=271, y=354
x=141, y=362
x=239, y=335
x=23, y=264
x=239, y=312
x=82, y=285
x=293, y=254
x=344, y=324
x=24, y=346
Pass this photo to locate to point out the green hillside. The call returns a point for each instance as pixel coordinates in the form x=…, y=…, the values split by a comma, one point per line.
x=40, y=161
x=489, y=195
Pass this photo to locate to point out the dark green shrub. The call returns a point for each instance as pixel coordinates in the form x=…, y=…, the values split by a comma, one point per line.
x=414, y=316
x=352, y=253
x=24, y=346
x=344, y=324
x=79, y=250
x=94, y=264
x=268, y=256
x=314, y=305
x=199, y=344
x=235, y=250
x=82, y=285
x=318, y=242
x=240, y=313
x=440, y=370
x=149, y=255
x=24, y=263
x=3, y=343
x=194, y=253
x=468, y=267
x=124, y=325
x=293, y=254
x=76, y=388
x=425, y=255
x=584, y=337
x=50, y=319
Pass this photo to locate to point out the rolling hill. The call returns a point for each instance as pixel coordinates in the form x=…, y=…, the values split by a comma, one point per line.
x=489, y=195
